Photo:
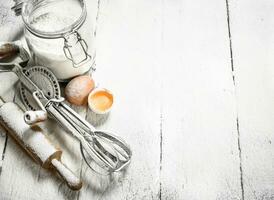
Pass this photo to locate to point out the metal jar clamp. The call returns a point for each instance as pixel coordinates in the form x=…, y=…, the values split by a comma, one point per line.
x=75, y=49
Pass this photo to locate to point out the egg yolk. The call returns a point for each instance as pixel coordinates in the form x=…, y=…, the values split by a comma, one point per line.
x=101, y=100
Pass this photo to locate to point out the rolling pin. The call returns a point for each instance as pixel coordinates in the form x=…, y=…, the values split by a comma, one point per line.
x=32, y=139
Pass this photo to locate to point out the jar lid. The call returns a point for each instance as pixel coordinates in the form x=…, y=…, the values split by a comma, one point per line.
x=53, y=18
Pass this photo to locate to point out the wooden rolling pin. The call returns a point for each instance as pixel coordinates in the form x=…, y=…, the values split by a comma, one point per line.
x=32, y=139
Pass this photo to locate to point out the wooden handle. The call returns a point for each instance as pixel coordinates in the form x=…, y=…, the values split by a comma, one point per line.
x=8, y=49
x=68, y=176
x=32, y=117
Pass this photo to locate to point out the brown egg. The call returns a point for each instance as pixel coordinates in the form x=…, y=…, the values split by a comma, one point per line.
x=78, y=89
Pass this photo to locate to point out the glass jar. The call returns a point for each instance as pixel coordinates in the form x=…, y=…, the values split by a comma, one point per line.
x=60, y=36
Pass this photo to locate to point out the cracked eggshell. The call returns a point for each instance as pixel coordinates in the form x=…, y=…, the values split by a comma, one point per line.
x=78, y=89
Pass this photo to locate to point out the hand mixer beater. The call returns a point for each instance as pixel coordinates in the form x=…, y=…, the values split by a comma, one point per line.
x=102, y=151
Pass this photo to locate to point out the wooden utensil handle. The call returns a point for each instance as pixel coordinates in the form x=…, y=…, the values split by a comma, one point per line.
x=8, y=49
x=68, y=176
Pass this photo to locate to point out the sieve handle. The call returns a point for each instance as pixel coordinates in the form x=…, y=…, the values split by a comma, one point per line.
x=6, y=67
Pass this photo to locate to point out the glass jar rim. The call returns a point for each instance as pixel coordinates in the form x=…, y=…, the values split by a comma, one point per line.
x=51, y=35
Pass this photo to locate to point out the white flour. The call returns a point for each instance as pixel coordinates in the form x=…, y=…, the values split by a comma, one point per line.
x=49, y=52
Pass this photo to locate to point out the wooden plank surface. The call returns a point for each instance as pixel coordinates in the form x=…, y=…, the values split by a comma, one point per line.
x=252, y=44
x=7, y=91
x=193, y=98
x=128, y=53
x=200, y=157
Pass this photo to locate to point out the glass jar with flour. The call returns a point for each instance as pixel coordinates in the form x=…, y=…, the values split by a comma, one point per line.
x=60, y=36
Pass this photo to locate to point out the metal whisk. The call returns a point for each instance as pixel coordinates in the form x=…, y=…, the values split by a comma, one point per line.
x=100, y=150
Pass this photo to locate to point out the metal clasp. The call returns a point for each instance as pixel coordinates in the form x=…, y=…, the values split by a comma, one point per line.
x=75, y=49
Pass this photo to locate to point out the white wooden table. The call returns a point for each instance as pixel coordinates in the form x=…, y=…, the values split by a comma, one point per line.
x=194, y=88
